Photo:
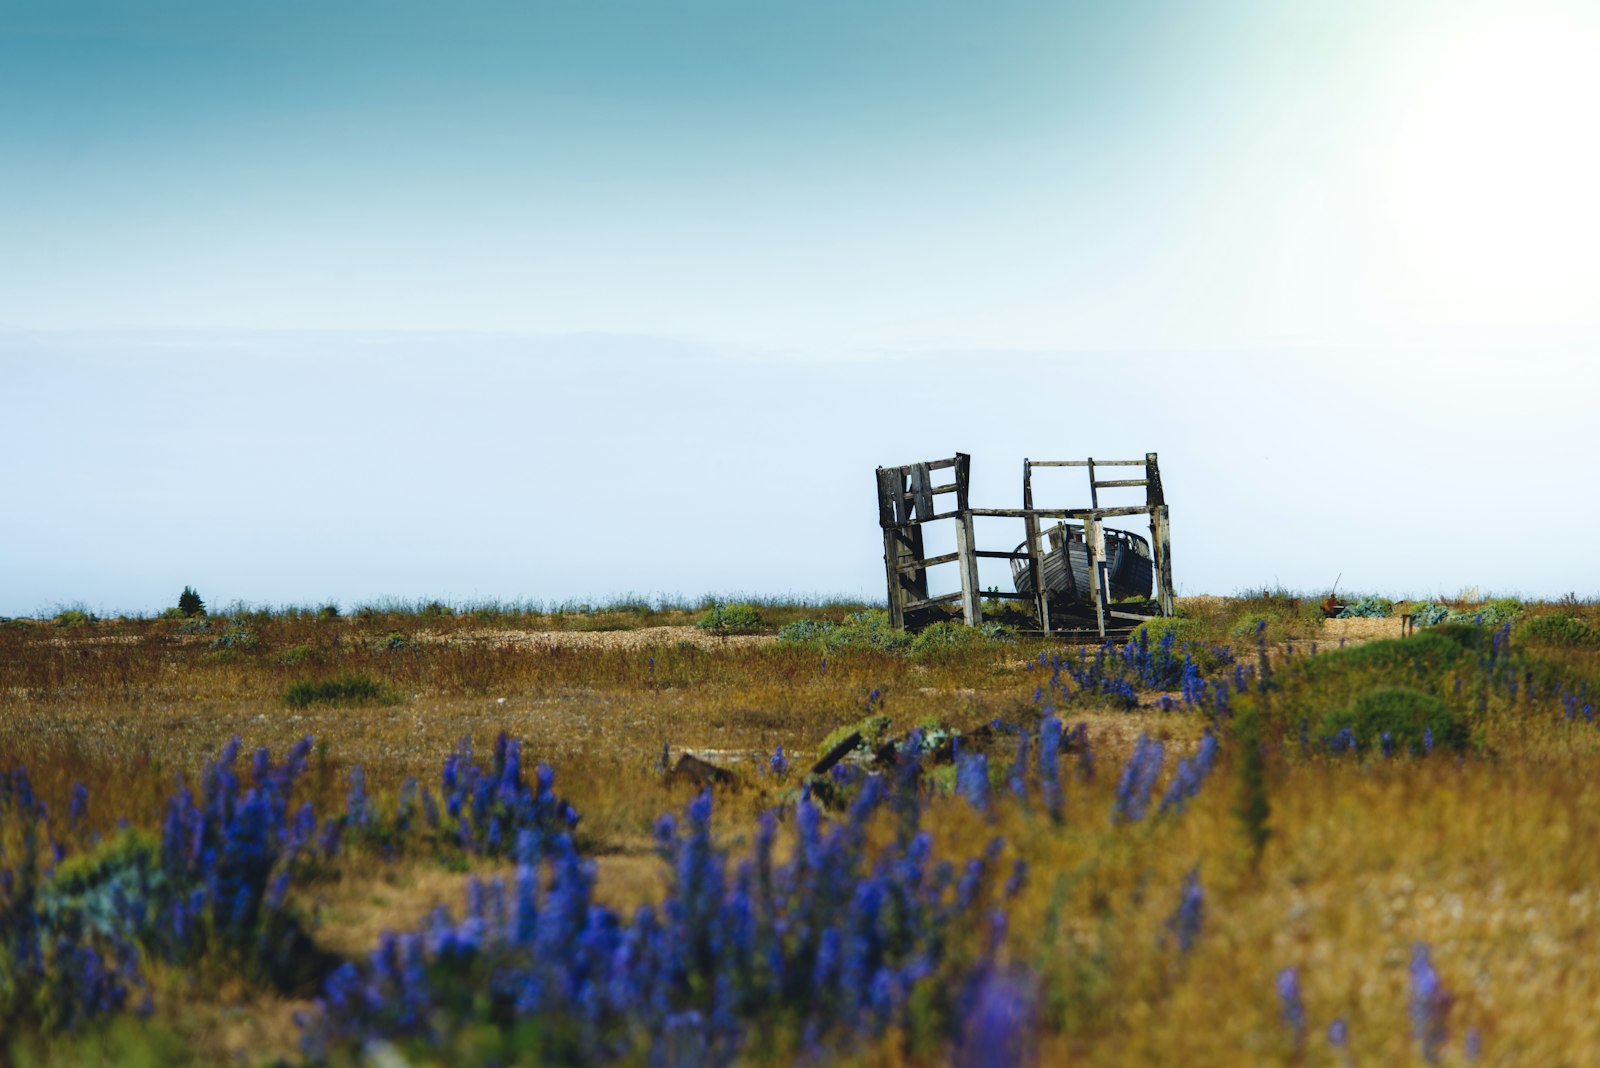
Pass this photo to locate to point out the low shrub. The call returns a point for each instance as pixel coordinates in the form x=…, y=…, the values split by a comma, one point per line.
x=859, y=630
x=1368, y=608
x=75, y=617
x=730, y=618
x=1399, y=718
x=234, y=636
x=342, y=690
x=947, y=636
x=1562, y=630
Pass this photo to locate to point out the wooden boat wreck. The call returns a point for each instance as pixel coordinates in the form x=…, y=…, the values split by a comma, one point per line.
x=1129, y=568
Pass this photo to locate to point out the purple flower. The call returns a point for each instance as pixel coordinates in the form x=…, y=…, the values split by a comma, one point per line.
x=1184, y=923
x=1291, y=1004
x=1429, y=1003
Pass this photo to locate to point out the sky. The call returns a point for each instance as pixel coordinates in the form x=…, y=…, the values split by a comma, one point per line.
x=341, y=301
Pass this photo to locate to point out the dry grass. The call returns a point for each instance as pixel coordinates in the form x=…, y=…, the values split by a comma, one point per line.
x=1492, y=860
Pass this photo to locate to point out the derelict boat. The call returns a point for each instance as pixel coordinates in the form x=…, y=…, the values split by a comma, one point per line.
x=1065, y=564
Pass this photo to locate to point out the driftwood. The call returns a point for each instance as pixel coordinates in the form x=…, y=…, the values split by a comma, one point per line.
x=693, y=771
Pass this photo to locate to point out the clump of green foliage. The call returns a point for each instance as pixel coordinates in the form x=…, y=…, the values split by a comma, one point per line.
x=1368, y=608
x=947, y=636
x=342, y=690
x=436, y=609
x=190, y=604
x=1564, y=630
x=868, y=629
x=75, y=617
x=730, y=619
x=296, y=654
x=1406, y=715
x=234, y=636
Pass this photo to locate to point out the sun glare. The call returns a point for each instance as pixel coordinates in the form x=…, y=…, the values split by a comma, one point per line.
x=1498, y=177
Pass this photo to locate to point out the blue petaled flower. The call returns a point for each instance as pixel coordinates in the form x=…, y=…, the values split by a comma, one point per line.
x=1429, y=1003
x=1184, y=923
x=1138, y=779
x=1291, y=1004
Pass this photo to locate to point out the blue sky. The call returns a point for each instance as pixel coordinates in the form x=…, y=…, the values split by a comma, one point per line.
x=304, y=301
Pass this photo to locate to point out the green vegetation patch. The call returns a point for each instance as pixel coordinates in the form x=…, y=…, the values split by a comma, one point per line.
x=1563, y=630
x=731, y=619
x=1409, y=717
x=342, y=690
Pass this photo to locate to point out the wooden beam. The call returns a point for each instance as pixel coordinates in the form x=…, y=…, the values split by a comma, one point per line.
x=1085, y=463
x=1119, y=482
x=929, y=602
x=1059, y=513
x=1094, y=537
x=1161, y=548
x=971, y=606
x=919, y=565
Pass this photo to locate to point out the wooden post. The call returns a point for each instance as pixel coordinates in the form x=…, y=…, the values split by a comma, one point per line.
x=1161, y=545
x=1035, y=565
x=890, y=509
x=1094, y=538
x=966, y=554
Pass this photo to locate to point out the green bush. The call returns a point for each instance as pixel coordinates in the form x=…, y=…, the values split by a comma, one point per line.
x=344, y=690
x=948, y=635
x=75, y=617
x=1368, y=608
x=234, y=636
x=296, y=654
x=868, y=629
x=1406, y=715
x=730, y=618
x=1559, y=630
x=436, y=609
x=1182, y=630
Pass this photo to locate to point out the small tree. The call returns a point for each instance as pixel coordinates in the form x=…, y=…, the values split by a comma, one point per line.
x=190, y=604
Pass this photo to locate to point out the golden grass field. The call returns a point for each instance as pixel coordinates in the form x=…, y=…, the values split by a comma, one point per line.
x=1491, y=857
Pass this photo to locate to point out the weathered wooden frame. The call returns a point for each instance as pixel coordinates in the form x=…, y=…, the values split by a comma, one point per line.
x=907, y=497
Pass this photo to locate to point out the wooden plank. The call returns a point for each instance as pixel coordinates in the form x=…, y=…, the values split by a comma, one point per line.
x=1094, y=494
x=1008, y=595
x=1161, y=546
x=929, y=602
x=1111, y=484
x=1085, y=463
x=1041, y=596
x=1094, y=537
x=963, y=475
x=922, y=486
x=888, y=478
x=992, y=554
x=1060, y=513
x=1153, y=493
x=952, y=514
x=891, y=561
x=971, y=606
x=919, y=565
